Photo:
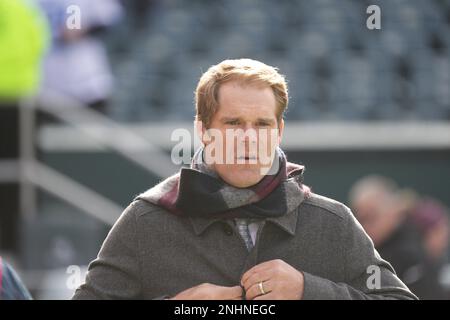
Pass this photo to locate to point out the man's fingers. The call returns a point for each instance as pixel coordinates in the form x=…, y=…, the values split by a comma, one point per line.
x=257, y=276
x=269, y=296
x=262, y=266
x=258, y=268
x=234, y=293
x=208, y=291
x=255, y=290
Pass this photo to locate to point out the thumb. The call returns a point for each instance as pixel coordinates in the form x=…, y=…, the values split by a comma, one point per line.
x=233, y=292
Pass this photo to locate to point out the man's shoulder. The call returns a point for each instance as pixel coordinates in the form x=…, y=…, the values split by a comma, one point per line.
x=140, y=208
x=325, y=205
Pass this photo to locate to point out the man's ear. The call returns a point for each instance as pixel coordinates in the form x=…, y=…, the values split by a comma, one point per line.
x=280, y=131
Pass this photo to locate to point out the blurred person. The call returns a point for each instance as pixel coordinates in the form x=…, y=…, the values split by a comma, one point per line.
x=11, y=286
x=431, y=218
x=386, y=213
x=242, y=228
x=77, y=64
x=23, y=40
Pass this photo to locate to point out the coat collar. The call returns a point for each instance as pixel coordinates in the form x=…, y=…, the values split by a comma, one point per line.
x=286, y=222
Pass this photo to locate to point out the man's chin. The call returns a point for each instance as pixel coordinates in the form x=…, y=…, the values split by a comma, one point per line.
x=242, y=176
x=243, y=184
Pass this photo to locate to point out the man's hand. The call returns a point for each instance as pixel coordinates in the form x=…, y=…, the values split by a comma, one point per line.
x=208, y=291
x=280, y=281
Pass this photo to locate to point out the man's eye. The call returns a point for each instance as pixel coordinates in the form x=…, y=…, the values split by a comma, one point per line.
x=262, y=124
x=232, y=122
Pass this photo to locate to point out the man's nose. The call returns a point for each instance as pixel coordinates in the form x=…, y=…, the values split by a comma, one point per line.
x=250, y=134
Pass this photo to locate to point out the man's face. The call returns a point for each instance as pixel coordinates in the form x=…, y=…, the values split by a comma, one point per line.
x=246, y=120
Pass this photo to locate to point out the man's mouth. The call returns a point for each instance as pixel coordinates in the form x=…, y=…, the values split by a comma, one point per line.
x=247, y=158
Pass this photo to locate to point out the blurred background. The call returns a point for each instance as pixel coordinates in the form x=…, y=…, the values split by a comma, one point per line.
x=87, y=116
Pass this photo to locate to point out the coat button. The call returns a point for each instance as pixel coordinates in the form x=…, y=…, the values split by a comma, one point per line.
x=227, y=229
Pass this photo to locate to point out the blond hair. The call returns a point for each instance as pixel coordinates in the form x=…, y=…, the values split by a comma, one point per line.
x=247, y=71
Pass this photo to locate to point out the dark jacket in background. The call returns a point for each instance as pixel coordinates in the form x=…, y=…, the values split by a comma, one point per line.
x=404, y=250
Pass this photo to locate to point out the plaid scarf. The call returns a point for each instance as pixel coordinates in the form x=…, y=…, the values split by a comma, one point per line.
x=198, y=191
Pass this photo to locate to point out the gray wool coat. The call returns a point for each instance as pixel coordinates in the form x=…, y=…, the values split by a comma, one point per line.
x=150, y=253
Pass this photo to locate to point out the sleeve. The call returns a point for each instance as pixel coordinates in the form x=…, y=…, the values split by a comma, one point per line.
x=367, y=275
x=115, y=273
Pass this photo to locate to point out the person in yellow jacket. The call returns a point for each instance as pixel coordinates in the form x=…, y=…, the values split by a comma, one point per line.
x=23, y=40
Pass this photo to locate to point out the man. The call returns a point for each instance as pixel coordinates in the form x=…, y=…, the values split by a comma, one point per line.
x=241, y=228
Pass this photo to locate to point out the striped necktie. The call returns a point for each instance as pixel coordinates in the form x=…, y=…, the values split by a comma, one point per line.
x=242, y=225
